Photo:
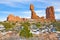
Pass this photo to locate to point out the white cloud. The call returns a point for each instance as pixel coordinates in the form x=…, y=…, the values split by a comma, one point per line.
x=6, y=12
x=40, y=13
x=26, y=12
x=57, y=16
x=2, y=19
x=57, y=10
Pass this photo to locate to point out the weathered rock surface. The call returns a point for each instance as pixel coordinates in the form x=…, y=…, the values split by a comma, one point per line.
x=33, y=14
x=47, y=36
x=50, y=13
x=12, y=18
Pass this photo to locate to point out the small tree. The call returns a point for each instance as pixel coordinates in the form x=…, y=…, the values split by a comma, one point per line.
x=25, y=32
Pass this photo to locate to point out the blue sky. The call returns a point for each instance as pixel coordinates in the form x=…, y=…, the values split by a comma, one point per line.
x=21, y=8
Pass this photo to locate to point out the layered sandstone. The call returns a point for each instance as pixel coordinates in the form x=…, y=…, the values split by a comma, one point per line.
x=50, y=13
x=12, y=18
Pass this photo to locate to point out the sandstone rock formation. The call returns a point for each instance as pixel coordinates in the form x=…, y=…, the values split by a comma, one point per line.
x=33, y=14
x=12, y=18
x=42, y=19
x=18, y=18
x=50, y=13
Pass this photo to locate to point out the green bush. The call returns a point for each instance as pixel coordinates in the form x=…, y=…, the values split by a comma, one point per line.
x=25, y=32
x=8, y=26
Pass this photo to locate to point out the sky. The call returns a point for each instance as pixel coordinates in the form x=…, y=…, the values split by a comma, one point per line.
x=21, y=8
